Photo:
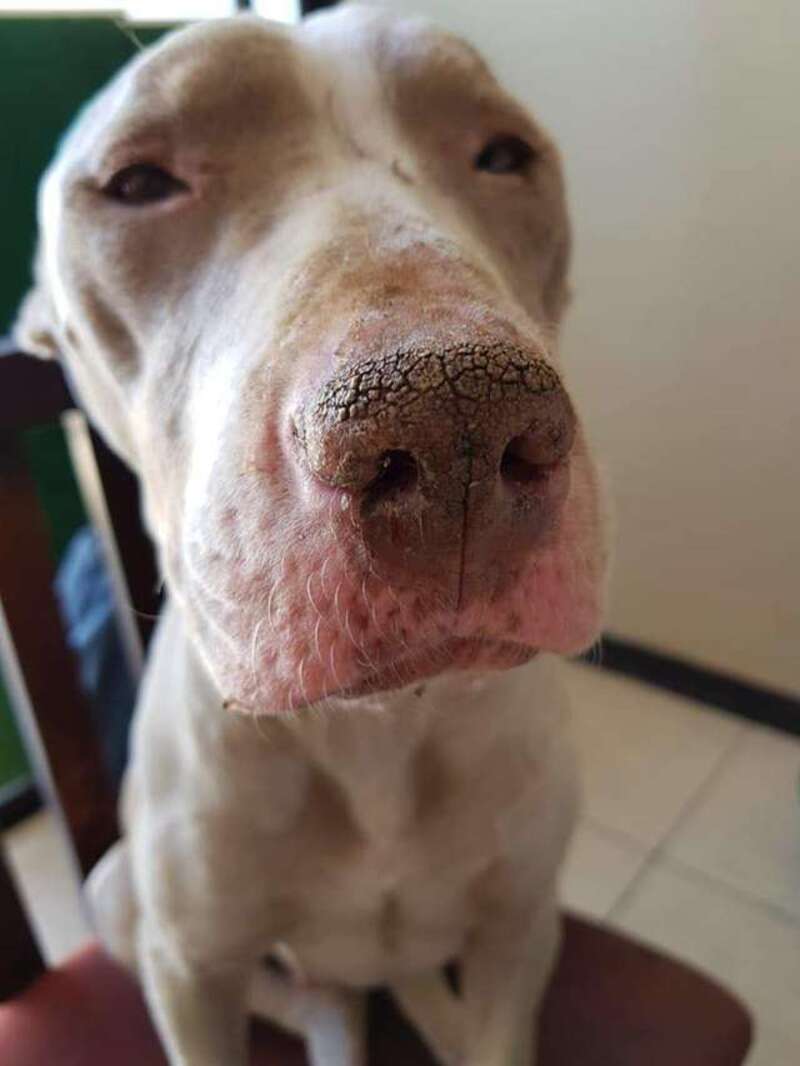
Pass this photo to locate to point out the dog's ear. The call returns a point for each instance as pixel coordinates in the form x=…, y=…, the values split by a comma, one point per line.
x=34, y=328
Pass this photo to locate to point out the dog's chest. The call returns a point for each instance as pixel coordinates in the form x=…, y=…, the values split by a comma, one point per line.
x=398, y=849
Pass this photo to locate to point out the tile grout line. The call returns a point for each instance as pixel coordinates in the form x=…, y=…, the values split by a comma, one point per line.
x=621, y=837
x=656, y=854
x=774, y=910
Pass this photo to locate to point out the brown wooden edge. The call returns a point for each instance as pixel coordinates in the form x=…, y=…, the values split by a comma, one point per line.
x=133, y=547
x=32, y=391
x=20, y=959
x=37, y=665
x=41, y=673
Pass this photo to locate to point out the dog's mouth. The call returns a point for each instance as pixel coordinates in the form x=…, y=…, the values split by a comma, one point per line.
x=452, y=654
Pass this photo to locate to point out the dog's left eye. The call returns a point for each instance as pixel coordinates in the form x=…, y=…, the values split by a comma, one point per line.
x=506, y=154
x=143, y=183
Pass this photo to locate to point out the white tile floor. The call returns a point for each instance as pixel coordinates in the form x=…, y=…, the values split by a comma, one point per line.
x=690, y=840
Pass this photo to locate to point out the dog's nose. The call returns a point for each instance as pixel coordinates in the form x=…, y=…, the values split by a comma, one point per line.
x=451, y=462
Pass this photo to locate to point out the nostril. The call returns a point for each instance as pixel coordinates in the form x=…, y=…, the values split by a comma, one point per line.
x=523, y=461
x=397, y=474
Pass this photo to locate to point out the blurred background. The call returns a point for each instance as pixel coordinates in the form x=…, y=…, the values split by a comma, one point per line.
x=680, y=130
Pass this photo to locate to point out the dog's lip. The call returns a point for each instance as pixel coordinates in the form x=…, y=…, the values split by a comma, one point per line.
x=454, y=653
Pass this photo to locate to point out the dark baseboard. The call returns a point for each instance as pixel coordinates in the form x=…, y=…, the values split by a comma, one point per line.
x=309, y=6
x=18, y=799
x=757, y=704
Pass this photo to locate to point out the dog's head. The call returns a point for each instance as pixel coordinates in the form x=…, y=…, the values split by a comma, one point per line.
x=308, y=282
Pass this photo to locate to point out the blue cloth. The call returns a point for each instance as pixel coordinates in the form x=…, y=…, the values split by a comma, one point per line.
x=87, y=608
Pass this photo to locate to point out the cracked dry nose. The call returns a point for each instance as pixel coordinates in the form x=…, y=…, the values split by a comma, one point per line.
x=442, y=454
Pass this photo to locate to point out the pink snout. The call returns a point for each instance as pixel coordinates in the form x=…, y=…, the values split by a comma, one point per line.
x=451, y=464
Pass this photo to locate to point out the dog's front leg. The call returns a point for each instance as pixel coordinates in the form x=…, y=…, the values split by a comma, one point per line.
x=437, y=1014
x=201, y=1016
x=332, y=1021
x=505, y=970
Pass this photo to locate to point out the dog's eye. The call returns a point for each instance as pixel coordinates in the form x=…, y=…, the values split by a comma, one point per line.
x=143, y=183
x=506, y=154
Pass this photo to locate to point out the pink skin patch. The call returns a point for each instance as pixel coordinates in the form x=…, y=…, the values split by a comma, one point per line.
x=300, y=616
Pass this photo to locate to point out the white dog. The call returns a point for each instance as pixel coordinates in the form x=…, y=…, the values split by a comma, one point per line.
x=307, y=281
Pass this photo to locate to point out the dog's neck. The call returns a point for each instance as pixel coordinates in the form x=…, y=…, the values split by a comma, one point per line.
x=384, y=752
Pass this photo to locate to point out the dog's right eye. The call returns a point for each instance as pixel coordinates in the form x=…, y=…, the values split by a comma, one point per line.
x=143, y=183
x=505, y=154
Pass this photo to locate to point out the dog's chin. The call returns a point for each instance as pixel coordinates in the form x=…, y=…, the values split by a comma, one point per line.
x=450, y=655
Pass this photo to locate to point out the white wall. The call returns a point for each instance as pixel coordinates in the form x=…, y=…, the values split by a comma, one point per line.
x=680, y=124
x=156, y=10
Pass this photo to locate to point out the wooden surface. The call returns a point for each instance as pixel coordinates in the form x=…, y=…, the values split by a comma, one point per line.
x=32, y=391
x=613, y=1003
x=41, y=672
x=20, y=959
x=133, y=547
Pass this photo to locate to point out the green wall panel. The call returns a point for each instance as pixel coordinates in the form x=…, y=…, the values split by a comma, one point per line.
x=49, y=67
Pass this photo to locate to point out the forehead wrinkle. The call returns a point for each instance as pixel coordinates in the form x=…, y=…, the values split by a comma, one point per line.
x=383, y=53
x=190, y=66
x=431, y=77
x=215, y=79
x=419, y=49
x=341, y=77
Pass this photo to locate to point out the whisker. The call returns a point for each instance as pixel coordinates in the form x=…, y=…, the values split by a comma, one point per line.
x=337, y=612
x=270, y=606
x=332, y=664
x=316, y=639
x=253, y=649
x=301, y=676
x=311, y=600
x=325, y=562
